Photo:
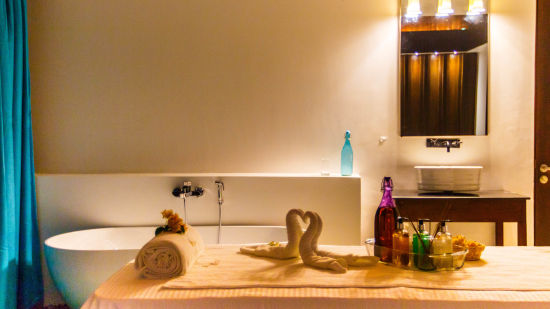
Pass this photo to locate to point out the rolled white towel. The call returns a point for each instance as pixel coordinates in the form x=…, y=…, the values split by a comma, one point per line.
x=169, y=254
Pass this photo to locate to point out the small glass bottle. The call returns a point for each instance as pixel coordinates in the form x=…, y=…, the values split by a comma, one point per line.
x=442, y=248
x=384, y=223
x=400, y=253
x=346, y=163
x=421, y=247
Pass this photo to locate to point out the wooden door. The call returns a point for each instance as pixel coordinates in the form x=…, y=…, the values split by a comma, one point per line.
x=542, y=124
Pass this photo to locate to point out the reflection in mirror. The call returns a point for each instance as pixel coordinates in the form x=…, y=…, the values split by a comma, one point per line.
x=443, y=67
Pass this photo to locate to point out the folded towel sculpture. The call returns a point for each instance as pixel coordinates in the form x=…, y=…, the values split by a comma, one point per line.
x=308, y=244
x=288, y=251
x=169, y=254
x=351, y=259
x=305, y=245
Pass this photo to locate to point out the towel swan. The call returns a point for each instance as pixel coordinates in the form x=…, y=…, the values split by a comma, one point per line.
x=288, y=251
x=308, y=246
x=351, y=259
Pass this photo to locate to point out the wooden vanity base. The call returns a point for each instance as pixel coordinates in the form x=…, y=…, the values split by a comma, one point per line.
x=489, y=206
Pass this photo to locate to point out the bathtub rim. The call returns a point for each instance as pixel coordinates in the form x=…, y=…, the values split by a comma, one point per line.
x=48, y=242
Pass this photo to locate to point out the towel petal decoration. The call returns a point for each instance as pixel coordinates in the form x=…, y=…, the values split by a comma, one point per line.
x=308, y=252
x=351, y=259
x=288, y=251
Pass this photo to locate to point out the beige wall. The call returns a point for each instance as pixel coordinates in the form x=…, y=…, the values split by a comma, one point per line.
x=256, y=86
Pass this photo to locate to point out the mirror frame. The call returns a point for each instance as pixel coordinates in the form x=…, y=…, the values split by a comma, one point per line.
x=400, y=13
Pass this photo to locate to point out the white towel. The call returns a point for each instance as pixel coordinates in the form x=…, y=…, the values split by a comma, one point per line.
x=308, y=248
x=169, y=254
x=351, y=259
x=288, y=251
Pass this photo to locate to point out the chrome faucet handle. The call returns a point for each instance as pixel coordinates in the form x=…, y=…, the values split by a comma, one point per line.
x=199, y=191
x=177, y=192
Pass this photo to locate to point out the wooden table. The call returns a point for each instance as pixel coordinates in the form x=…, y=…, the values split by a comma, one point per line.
x=481, y=206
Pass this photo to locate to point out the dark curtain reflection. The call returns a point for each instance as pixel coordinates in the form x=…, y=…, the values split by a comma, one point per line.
x=438, y=94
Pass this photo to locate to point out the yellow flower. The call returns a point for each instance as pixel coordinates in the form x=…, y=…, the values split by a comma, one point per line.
x=175, y=223
x=167, y=213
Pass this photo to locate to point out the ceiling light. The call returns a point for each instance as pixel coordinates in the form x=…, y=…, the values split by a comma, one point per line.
x=444, y=8
x=413, y=9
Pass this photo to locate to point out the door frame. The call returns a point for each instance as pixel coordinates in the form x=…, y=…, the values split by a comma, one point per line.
x=542, y=120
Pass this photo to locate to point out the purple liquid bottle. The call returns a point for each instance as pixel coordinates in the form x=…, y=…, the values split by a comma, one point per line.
x=384, y=223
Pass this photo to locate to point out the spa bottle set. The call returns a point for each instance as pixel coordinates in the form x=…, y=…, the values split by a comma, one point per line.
x=393, y=243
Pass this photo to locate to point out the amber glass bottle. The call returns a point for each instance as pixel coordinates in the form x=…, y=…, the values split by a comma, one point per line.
x=384, y=223
x=400, y=253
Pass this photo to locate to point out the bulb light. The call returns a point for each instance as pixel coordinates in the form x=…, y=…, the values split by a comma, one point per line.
x=444, y=8
x=476, y=7
x=413, y=9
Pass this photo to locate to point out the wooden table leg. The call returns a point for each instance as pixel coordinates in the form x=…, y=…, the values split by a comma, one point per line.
x=499, y=233
x=522, y=233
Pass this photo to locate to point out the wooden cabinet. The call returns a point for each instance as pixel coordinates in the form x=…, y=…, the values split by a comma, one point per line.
x=488, y=206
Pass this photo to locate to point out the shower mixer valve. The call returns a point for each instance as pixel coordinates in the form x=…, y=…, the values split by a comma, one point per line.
x=187, y=190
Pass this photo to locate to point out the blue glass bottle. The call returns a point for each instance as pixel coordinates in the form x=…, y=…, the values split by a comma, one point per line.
x=346, y=163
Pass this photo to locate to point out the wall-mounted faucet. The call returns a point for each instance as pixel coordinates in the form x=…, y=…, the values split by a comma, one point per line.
x=186, y=191
x=443, y=143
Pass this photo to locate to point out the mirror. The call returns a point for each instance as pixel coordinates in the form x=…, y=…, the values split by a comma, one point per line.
x=443, y=67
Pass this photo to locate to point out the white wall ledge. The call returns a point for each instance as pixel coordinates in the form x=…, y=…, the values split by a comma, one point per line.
x=264, y=175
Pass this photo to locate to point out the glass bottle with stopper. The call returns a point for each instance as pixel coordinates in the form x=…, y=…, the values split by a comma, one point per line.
x=384, y=223
x=346, y=163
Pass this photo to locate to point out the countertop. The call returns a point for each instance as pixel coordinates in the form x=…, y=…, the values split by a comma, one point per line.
x=493, y=194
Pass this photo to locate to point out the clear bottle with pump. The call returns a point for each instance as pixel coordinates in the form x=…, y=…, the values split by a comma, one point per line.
x=442, y=248
x=400, y=242
x=346, y=163
x=421, y=247
x=385, y=220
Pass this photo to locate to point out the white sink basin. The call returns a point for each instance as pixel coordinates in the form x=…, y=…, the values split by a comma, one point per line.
x=448, y=178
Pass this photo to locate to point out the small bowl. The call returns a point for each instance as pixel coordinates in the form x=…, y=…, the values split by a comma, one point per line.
x=413, y=261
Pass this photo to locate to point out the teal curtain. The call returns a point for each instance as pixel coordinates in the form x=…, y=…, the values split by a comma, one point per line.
x=20, y=273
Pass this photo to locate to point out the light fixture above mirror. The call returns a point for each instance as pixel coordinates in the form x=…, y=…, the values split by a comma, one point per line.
x=413, y=9
x=444, y=8
x=476, y=7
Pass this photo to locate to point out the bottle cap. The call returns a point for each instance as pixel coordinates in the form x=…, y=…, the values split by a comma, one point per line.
x=386, y=182
x=348, y=134
x=400, y=219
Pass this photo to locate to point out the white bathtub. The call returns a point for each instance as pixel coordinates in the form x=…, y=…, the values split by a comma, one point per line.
x=80, y=261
